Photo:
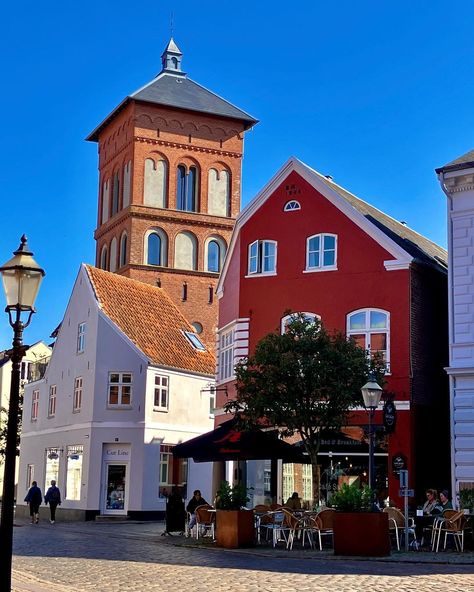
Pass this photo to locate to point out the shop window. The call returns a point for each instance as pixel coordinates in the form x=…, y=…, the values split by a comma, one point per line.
x=75, y=456
x=172, y=472
x=288, y=480
x=52, y=466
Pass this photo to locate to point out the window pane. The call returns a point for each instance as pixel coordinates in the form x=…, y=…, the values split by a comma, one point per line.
x=113, y=395
x=114, y=378
x=164, y=398
x=154, y=249
x=181, y=188
x=126, y=395
x=268, y=256
x=329, y=258
x=253, y=258
x=213, y=256
x=126, y=378
x=314, y=243
x=360, y=340
x=378, y=320
x=329, y=242
x=164, y=381
x=378, y=342
x=357, y=321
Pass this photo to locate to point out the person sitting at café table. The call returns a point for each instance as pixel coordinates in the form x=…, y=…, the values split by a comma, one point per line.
x=431, y=508
x=196, y=501
x=445, y=501
x=294, y=502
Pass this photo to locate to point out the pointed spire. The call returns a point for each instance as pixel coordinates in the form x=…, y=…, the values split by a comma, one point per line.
x=171, y=59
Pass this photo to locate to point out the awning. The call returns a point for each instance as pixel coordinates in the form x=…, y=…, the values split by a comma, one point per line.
x=227, y=442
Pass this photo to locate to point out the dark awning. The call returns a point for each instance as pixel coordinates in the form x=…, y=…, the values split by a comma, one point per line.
x=227, y=442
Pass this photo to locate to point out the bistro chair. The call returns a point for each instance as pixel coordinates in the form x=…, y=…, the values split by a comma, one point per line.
x=297, y=527
x=274, y=522
x=432, y=529
x=322, y=524
x=454, y=525
x=396, y=524
x=205, y=521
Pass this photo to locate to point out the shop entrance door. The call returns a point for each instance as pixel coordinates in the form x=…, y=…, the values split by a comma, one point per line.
x=115, y=490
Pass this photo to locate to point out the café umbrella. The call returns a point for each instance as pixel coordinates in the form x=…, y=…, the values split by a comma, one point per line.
x=229, y=442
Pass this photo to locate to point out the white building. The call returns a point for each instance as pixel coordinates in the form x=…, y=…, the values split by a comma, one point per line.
x=457, y=181
x=33, y=366
x=127, y=380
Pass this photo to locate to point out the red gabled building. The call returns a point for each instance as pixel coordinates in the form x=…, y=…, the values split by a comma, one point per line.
x=305, y=244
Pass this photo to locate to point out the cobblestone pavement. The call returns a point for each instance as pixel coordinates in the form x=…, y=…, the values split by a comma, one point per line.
x=133, y=557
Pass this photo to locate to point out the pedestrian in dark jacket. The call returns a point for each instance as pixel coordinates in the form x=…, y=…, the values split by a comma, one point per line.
x=53, y=498
x=34, y=498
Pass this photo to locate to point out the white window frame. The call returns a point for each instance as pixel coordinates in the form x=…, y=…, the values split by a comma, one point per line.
x=368, y=331
x=120, y=384
x=292, y=206
x=159, y=389
x=74, y=477
x=321, y=266
x=226, y=355
x=81, y=338
x=35, y=405
x=256, y=253
x=52, y=400
x=311, y=316
x=77, y=396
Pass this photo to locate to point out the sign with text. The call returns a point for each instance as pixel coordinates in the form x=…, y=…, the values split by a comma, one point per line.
x=406, y=493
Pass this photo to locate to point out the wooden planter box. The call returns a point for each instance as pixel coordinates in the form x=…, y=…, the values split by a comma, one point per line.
x=235, y=528
x=364, y=534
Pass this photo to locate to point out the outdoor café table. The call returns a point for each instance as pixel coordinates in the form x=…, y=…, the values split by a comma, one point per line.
x=423, y=523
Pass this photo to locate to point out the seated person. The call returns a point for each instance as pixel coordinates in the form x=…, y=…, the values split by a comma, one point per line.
x=445, y=501
x=432, y=506
x=196, y=501
x=294, y=502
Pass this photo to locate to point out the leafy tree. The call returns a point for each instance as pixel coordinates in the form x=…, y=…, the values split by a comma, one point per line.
x=303, y=382
x=3, y=428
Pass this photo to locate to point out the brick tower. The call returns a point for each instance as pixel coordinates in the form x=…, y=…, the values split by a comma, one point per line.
x=170, y=160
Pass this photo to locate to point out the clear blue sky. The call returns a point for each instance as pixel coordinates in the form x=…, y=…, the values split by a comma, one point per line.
x=376, y=94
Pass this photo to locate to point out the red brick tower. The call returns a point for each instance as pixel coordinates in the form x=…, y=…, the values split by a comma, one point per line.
x=169, y=167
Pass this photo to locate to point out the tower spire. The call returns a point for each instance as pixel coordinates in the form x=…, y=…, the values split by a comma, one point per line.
x=171, y=59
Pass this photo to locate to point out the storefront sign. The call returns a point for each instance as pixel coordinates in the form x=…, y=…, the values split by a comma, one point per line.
x=389, y=416
x=399, y=463
x=116, y=452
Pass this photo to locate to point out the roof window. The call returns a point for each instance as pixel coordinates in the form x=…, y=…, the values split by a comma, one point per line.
x=194, y=340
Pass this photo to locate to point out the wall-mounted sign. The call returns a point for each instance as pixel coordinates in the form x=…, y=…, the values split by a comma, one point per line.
x=116, y=452
x=389, y=416
x=399, y=463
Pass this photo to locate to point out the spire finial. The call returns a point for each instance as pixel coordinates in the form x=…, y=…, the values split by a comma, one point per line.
x=171, y=57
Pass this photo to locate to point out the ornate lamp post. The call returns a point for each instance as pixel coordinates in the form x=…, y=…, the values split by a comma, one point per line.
x=21, y=278
x=371, y=393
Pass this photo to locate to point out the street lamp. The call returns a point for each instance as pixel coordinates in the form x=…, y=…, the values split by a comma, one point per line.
x=371, y=393
x=21, y=277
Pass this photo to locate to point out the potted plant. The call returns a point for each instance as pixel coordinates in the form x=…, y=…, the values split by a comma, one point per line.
x=358, y=529
x=466, y=500
x=234, y=525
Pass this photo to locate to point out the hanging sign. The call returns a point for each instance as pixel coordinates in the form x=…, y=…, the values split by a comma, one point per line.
x=399, y=463
x=389, y=416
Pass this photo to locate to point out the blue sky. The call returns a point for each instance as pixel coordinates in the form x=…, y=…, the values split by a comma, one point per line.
x=377, y=94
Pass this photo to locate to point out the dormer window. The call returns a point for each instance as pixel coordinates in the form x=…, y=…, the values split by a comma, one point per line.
x=292, y=205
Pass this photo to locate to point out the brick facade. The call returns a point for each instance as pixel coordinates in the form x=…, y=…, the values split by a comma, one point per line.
x=143, y=130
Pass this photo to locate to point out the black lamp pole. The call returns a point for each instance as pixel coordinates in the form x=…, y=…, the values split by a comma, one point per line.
x=371, y=448
x=371, y=393
x=21, y=278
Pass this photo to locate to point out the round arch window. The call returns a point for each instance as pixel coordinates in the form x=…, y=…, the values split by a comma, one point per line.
x=197, y=327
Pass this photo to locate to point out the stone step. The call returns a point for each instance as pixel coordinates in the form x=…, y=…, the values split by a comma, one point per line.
x=107, y=518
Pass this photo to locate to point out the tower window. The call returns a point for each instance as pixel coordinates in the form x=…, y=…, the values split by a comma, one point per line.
x=213, y=256
x=154, y=249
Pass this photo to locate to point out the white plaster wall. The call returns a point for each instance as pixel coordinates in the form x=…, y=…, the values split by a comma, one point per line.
x=185, y=251
x=105, y=200
x=127, y=172
x=218, y=192
x=155, y=183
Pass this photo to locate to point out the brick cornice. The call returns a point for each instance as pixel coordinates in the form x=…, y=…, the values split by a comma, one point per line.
x=105, y=163
x=189, y=147
x=175, y=271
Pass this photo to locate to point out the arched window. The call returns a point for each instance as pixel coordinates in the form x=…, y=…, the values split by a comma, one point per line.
x=292, y=205
x=174, y=61
x=105, y=201
x=103, y=258
x=186, y=188
x=185, y=256
x=370, y=329
x=123, y=250
x=156, y=247
x=321, y=252
x=113, y=255
x=218, y=193
x=154, y=193
x=309, y=316
x=214, y=254
x=115, y=194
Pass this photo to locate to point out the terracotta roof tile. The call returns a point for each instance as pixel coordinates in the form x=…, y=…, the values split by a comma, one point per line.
x=150, y=319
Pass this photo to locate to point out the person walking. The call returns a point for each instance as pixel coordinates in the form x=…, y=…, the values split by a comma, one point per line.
x=53, y=498
x=34, y=498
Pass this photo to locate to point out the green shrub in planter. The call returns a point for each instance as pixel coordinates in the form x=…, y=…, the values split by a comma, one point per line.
x=466, y=498
x=351, y=498
x=231, y=498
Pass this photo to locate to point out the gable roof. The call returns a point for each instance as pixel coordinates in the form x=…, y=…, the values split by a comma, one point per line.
x=150, y=319
x=465, y=161
x=180, y=92
x=403, y=243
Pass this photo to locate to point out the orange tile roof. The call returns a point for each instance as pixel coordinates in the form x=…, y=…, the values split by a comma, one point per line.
x=149, y=318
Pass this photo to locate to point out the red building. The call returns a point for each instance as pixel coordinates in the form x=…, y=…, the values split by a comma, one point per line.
x=305, y=244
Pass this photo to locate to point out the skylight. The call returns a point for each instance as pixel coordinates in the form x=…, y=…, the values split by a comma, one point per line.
x=195, y=341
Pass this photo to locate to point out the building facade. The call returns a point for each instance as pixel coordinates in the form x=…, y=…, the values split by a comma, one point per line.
x=170, y=159
x=306, y=245
x=128, y=379
x=457, y=181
